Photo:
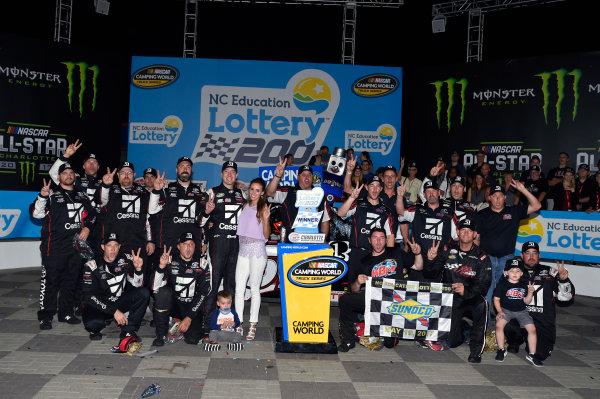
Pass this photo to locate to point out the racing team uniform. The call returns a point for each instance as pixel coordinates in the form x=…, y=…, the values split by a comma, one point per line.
x=474, y=270
x=462, y=209
x=549, y=292
x=393, y=263
x=180, y=290
x=223, y=244
x=65, y=213
x=108, y=287
x=365, y=217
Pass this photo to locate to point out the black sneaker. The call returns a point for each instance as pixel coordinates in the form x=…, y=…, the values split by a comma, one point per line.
x=190, y=341
x=500, y=355
x=70, y=319
x=95, y=336
x=159, y=341
x=473, y=358
x=45, y=324
x=513, y=349
x=534, y=360
x=77, y=311
x=421, y=344
x=345, y=346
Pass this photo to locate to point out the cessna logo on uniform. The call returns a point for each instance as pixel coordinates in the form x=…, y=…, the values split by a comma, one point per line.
x=372, y=221
x=130, y=203
x=187, y=208
x=231, y=214
x=75, y=212
x=433, y=229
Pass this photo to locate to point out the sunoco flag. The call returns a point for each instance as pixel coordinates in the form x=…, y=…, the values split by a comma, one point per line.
x=407, y=309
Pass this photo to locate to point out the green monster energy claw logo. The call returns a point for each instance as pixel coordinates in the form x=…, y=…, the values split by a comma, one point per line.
x=560, y=87
x=83, y=68
x=27, y=171
x=450, y=82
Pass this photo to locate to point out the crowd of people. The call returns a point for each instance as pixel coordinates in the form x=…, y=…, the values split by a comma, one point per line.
x=171, y=245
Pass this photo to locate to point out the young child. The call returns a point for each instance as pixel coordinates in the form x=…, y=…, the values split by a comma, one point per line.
x=510, y=297
x=223, y=323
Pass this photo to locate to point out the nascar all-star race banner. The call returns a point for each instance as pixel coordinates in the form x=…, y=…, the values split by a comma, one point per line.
x=407, y=309
x=253, y=112
x=562, y=235
x=50, y=95
x=510, y=109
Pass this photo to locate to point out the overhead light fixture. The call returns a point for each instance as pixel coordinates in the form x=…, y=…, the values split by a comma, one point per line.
x=438, y=24
x=102, y=6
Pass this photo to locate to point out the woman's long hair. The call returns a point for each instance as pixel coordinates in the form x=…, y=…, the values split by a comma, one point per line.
x=262, y=202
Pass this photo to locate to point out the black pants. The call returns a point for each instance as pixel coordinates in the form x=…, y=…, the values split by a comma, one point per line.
x=477, y=309
x=349, y=304
x=133, y=301
x=223, y=259
x=59, y=273
x=166, y=305
x=546, y=337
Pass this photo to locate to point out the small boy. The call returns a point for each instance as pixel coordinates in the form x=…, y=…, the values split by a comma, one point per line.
x=223, y=323
x=510, y=301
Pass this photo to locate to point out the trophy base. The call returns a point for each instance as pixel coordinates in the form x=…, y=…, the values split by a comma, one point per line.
x=282, y=346
x=306, y=238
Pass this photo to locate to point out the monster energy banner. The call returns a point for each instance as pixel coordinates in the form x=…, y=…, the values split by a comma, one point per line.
x=511, y=110
x=49, y=97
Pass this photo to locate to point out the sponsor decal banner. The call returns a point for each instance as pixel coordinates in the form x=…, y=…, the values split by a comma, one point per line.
x=573, y=236
x=253, y=112
x=15, y=220
x=307, y=272
x=511, y=110
x=408, y=309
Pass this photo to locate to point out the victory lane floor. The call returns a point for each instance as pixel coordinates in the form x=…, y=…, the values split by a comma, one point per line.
x=64, y=363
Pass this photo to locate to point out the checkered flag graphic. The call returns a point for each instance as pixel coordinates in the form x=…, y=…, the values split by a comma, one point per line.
x=216, y=147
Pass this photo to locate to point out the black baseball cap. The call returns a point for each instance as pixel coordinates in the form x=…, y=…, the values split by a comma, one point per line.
x=185, y=237
x=111, y=237
x=305, y=168
x=412, y=165
x=584, y=166
x=150, y=171
x=374, y=179
x=64, y=167
x=536, y=168
x=569, y=169
x=390, y=167
x=184, y=159
x=530, y=245
x=458, y=179
x=454, y=152
x=90, y=156
x=516, y=263
x=496, y=189
x=229, y=164
x=126, y=164
x=429, y=184
x=467, y=224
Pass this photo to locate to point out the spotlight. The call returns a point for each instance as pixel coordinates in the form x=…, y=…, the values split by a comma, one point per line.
x=438, y=24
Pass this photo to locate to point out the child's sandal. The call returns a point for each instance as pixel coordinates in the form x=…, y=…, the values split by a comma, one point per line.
x=251, y=332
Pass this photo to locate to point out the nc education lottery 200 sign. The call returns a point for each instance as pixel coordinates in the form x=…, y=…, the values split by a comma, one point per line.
x=253, y=112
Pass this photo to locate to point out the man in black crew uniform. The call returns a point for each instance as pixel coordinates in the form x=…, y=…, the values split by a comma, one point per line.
x=287, y=198
x=223, y=209
x=179, y=208
x=552, y=287
x=113, y=286
x=462, y=209
x=180, y=288
x=66, y=212
x=382, y=262
x=469, y=270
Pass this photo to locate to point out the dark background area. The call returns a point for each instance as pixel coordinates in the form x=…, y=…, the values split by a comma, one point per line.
x=306, y=33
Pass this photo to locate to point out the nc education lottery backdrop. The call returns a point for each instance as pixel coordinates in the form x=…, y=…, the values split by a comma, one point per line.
x=253, y=112
x=510, y=109
x=50, y=95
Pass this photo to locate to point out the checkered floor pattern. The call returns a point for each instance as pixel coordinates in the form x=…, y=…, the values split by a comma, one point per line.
x=64, y=363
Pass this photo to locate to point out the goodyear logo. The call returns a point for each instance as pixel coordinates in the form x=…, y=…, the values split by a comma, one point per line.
x=375, y=85
x=560, y=76
x=317, y=272
x=154, y=76
x=450, y=88
x=83, y=69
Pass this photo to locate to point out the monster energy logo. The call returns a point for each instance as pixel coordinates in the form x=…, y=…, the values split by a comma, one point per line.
x=450, y=82
x=560, y=87
x=27, y=169
x=83, y=68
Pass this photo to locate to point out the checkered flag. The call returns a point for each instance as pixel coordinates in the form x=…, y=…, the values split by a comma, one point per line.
x=216, y=148
x=408, y=309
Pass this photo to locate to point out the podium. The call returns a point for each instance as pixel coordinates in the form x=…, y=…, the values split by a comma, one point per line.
x=306, y=272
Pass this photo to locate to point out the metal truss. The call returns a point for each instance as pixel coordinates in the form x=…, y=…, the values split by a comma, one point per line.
x=190, y=29
x=62, y=21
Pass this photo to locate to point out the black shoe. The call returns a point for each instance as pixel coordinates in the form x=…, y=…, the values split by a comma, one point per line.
x=500, y=355
x=143, y=322
x=159, y=341
x=131, y=334
x=70, y=319
x=534, y=360
x=45, y=324
x=77, y=311
x=473, y=358
x=152, y=323
x=95, y=336
x=513, y=349
x=190, y=341
x=346, y=346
